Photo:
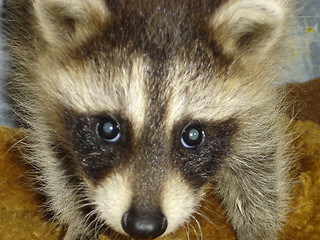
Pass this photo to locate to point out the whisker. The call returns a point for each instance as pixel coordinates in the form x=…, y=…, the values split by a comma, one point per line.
x=199, y=227
x=187, y=230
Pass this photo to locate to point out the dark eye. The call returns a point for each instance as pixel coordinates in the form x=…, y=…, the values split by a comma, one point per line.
x=192, y=136
x=108, y=130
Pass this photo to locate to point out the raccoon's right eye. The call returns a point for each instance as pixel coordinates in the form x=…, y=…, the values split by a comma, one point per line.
x=109, y=130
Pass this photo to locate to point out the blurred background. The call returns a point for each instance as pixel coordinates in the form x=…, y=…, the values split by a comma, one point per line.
x=304, y=60
x=306, y=54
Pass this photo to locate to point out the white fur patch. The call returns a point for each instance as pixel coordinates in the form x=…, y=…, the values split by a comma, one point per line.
x=178, y=202
x=113, y=199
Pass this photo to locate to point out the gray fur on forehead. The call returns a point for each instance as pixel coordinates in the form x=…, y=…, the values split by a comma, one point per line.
x=160, y=30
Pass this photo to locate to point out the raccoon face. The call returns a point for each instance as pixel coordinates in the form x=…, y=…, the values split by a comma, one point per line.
x=143, y=103
x=144, y=171
x=148, y=183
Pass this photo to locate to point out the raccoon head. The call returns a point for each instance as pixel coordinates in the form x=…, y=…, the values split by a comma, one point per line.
x=146, y=99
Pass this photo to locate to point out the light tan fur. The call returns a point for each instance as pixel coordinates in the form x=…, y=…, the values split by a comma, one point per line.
x=178, y=201
x=127, y=84
x=53, y=17
x=113, y=198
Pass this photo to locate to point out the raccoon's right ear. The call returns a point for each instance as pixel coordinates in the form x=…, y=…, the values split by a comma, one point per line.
x=64, y=21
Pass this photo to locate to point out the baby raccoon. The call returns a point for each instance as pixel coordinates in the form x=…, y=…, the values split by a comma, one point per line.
x=135, y=109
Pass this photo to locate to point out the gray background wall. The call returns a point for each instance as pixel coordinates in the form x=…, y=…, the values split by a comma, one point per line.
x=304, y=58
x=4, y=107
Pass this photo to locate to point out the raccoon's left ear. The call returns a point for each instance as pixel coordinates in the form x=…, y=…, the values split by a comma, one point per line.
x=64, y=21
x=249, y=27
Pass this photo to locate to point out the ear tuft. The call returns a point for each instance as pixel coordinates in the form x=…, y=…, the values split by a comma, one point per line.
x=63, y=21
x=249, y=27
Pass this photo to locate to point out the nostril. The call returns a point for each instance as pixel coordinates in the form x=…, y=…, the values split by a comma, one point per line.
x=144, y=225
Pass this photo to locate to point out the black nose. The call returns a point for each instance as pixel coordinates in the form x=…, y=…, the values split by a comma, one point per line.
x=145, y=225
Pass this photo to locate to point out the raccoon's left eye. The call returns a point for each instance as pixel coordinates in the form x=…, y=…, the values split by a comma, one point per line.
x=109, y=130
x=192, y=136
